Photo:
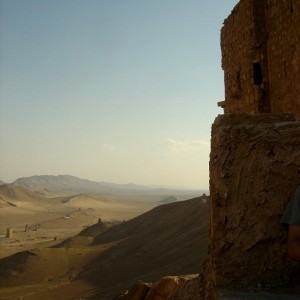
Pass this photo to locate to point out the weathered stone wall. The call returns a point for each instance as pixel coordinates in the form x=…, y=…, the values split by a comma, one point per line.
x=283, y=23
x=236, y=41
x=254, y=168
x=261, y=57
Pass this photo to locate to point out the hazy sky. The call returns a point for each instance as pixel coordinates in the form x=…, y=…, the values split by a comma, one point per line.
x=110, y=90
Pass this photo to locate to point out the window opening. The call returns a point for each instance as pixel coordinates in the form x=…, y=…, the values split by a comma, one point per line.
x=292, y=5
x=257, y=73
x=238, y=80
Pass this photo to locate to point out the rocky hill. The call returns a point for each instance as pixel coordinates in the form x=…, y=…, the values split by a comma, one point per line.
x=68, y=183
x=18, y=193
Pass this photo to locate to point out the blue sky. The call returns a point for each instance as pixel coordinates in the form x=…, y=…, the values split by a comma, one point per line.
x=110, y=90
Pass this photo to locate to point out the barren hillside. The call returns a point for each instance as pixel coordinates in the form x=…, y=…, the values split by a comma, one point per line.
x=170, y=239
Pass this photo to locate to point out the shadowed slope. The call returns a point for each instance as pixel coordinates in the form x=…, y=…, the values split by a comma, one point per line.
x=170, y=239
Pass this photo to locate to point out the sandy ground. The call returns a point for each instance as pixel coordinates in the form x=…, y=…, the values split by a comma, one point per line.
x=37, y=227
x=33, y=228
x=40, y=261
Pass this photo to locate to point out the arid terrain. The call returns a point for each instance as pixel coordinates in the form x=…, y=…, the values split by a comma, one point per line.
x=94, y=244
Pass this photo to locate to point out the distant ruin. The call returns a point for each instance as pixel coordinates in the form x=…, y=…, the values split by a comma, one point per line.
x=260, y=43
x=9, y=233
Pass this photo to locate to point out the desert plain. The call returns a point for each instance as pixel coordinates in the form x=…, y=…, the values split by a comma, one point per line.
x=92, y=245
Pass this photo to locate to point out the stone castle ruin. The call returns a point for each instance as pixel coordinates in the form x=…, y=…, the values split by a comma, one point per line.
x=260, y=43
x=255, y=152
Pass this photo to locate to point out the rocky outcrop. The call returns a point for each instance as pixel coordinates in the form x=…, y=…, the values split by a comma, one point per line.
x=165, y=287
x=188, y=290
x=138, y=291
x=254, y=169
x=170, y=287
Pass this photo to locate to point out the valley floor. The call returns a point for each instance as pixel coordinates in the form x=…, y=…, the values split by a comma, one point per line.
x=118, y=243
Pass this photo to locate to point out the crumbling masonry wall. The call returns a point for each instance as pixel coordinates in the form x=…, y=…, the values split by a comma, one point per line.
x=260, y=43
x=254, y=169
x=283, y=48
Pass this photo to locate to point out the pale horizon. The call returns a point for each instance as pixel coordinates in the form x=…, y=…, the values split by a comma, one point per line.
x=111, y=91
x=148, y=186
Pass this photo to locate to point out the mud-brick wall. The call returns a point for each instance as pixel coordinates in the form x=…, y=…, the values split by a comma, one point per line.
x=283, y=25
x=254, y=168
x=264, y=33
x=242, y=38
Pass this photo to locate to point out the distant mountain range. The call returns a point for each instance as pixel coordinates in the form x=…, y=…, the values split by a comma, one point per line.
x=70, y=185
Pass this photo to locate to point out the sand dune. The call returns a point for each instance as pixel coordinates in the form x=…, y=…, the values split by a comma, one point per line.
x=23, y=201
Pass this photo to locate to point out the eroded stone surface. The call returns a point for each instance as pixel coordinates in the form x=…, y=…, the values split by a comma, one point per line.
x=165, y=287
x=188, y=290
x=254, y=169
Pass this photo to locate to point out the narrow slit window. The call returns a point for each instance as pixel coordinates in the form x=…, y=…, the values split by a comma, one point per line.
x=292, y=5
x=238, y=80
x=257, y=73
